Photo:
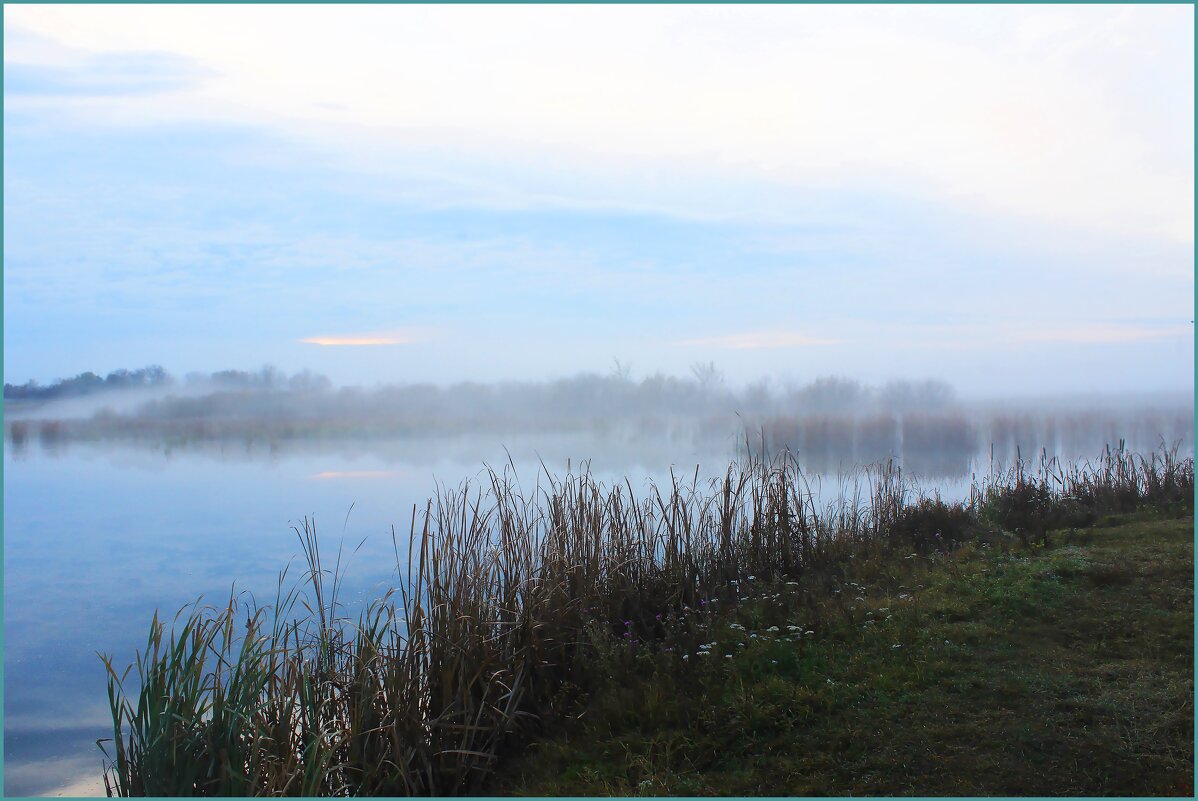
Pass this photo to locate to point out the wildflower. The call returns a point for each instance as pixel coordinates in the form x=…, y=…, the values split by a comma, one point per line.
x=727, y=656
x=809, y=632
x=752, y=636
x=794, y=628
x=703, y=653
x=896, y=645
x=772, y=628
x=685, y=657
x=752, y=578
x=736, y=626
x=884, y=609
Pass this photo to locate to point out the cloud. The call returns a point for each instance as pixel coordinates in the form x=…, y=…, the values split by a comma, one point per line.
x=1079, y=117
x=362, y=340
x=1012, y=334
x=1103, y=334
x=759, y=340
x=105, y=75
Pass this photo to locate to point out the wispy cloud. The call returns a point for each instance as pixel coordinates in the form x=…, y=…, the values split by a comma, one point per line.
x=1103, y=334
x=106, y=74
x=1043, y=118
x=1010, y=334
x=760, y=339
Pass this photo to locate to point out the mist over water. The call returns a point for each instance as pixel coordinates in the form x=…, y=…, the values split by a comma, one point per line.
x=125, y=501
x=831, y=424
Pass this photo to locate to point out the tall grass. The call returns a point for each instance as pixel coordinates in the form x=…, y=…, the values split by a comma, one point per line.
x=506, y=601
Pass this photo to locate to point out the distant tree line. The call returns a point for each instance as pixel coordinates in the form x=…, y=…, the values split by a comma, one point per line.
x=588, y=396
x=89, y=383
x=155, y=377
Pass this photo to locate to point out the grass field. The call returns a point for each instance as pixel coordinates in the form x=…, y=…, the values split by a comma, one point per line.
x=988, y=670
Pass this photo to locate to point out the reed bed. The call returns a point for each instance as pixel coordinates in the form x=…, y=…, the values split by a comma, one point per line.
x=507, y=601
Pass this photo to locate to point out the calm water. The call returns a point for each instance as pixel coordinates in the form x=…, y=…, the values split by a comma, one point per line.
x=97, y=537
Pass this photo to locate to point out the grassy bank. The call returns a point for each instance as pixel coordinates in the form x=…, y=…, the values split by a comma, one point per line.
x=581, y=614
x=988, y=670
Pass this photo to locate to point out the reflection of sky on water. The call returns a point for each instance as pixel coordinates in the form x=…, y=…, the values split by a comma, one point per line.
x=99, y=536
x=95, y=542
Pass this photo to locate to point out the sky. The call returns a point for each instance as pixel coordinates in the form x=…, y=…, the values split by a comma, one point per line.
x=999, y=197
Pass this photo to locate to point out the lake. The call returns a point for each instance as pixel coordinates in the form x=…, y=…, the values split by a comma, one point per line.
x=97, y=536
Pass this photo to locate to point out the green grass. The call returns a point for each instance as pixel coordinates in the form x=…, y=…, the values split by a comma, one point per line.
x=993, y=669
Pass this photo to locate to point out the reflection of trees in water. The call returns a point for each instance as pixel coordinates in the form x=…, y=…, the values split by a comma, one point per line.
x=1083, y=434
x=945, y=443
x=953, y=444
x=936, y=445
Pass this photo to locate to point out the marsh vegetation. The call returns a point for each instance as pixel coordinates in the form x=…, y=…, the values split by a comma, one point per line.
x=519, y=608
